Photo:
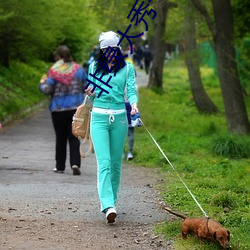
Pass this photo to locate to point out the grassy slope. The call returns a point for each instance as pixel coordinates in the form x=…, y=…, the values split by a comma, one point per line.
x=19, y=87
x=220, y=184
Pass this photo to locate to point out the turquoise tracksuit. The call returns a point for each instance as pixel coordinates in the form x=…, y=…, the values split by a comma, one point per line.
x=109, y=129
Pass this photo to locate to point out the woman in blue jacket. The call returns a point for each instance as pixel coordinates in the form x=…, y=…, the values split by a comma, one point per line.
x=108, y=77
x=65, y=84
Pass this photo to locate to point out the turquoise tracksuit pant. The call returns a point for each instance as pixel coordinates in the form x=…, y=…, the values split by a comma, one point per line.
x=109, y=135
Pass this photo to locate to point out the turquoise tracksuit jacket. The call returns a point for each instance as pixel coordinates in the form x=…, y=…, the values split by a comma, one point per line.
x=123, y=81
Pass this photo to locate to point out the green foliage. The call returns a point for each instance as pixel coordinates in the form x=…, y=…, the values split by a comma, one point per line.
x=231, y=146
x=241, y=17
x=170, y=230
x=175, y=24
x=243, y=59
x=210, y=129
x=19, y=87
x=41, y=29
x=176, y=18
x=219, y=183
x=117, y=12
x=224, y=200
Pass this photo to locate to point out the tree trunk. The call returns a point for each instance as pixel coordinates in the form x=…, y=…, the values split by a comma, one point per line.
x=235, y=109
x=201, y=99
x=159, y=46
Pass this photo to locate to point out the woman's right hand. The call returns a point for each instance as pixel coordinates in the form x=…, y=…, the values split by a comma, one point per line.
x=43, y=79
x=134, y=109
x=88, y=91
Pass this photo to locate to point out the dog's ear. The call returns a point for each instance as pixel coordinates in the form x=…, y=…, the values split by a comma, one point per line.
x=214, y=235
x=228, y=237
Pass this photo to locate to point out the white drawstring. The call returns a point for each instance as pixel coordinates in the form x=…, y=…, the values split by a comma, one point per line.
x=110, y=112
x=111, y=117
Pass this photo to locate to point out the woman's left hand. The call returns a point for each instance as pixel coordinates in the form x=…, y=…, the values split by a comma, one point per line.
x=134, y=109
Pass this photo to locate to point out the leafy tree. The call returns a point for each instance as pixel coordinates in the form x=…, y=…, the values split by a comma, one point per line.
x=78, y=29
x=28, y=33
x=201, y=99
x=185, y=28
x=221, y=28
x=242, y=33
x=159, y=44
x=241, y=18
x=113, y=15
x=175, y=24
x=23, y=33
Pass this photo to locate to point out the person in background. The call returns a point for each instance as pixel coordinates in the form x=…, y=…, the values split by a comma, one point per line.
x=130, y=133
x=65, y=84
x=139, y=52
x=130, y=127
x=93, y=55
x=147, y=54
x=109, y=125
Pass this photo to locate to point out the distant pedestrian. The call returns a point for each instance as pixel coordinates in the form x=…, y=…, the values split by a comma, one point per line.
x=93, y=55
x=130, y=133
x=65, y=84
x=147, y=54
x=139, y=51
x=131, y=129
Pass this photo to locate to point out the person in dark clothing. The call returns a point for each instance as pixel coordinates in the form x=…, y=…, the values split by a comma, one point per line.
x=147, y=58
x=139, y=52
x=93, y=56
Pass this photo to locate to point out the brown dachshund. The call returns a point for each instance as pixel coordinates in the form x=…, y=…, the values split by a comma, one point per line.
x=204, y=229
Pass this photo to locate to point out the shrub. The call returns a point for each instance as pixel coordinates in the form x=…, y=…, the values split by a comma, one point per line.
x=224, y=200
x=231, y=146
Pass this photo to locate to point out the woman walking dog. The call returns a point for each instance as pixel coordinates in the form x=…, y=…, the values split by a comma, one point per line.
x=109, y=123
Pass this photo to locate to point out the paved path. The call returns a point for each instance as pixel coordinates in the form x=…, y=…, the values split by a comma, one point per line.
x=30, y=190
x=141, y=78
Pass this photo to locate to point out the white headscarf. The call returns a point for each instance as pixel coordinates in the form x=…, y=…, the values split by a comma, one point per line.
x=109, y=39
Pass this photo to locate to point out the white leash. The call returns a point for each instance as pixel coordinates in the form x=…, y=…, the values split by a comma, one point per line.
x=174, y=169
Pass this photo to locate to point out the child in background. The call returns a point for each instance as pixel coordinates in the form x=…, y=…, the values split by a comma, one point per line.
x=130, y=133
x=130, y=127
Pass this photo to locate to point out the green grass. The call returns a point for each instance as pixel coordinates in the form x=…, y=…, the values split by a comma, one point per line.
x=19, y=87
x=214, y=164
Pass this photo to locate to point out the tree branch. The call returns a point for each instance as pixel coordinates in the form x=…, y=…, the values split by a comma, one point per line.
x=202, y=9
x=172, y=5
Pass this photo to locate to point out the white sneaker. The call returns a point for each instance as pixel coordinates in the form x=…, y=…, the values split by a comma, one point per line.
x=130, y=156
x=111, y=214
x=58, y=171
